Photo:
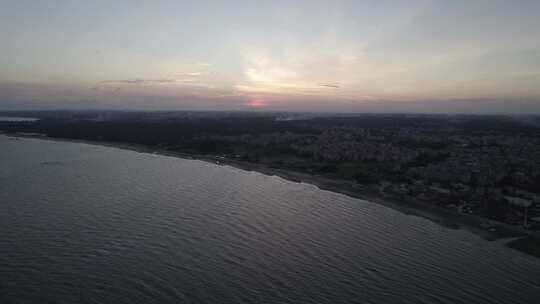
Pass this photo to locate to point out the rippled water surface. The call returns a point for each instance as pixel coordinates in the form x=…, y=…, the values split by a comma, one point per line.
x=90, y=224
x=17, y=119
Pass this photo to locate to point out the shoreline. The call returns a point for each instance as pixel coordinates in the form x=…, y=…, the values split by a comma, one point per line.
x=485, y=228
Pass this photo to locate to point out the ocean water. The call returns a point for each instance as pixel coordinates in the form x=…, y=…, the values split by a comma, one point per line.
x=17, y=119
x=82, y=223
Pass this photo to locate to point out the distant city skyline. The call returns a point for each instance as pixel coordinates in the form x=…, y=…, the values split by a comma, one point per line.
x=338, y=56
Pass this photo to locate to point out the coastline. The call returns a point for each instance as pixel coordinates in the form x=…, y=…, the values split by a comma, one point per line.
x=485, y=228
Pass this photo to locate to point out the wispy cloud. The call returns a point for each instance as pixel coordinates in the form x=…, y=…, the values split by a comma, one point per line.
x=192, y=74
x=330, y=85
x=139, y=81
x=203, y=64
x=179, y=77
x=188, y=77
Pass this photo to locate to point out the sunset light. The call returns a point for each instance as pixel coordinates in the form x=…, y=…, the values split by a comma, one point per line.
x=257, y=103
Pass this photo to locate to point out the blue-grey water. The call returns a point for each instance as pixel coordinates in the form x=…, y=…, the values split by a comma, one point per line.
x=17, y=119
x=90, y=224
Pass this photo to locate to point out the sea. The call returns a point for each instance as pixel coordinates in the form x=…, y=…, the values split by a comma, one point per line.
x=82, y=223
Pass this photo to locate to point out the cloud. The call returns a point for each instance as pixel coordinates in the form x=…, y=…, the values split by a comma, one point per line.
x=138, y=81
x=179, y=77
x=188, y=77
x=203, y=64
x=330, y=85
x=192, y=74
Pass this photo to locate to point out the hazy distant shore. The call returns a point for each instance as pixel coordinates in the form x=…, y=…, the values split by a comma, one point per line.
x=485, y=228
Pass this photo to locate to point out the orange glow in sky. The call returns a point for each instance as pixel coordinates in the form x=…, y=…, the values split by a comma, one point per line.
x=256, y=103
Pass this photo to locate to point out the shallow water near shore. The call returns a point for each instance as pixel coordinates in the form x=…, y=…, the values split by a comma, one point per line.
x=93, y=224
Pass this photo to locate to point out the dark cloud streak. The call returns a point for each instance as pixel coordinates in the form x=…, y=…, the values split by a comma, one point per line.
x=138, y=81
x=330, y=85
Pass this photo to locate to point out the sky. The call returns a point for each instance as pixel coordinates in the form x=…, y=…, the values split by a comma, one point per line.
x=339, y=56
